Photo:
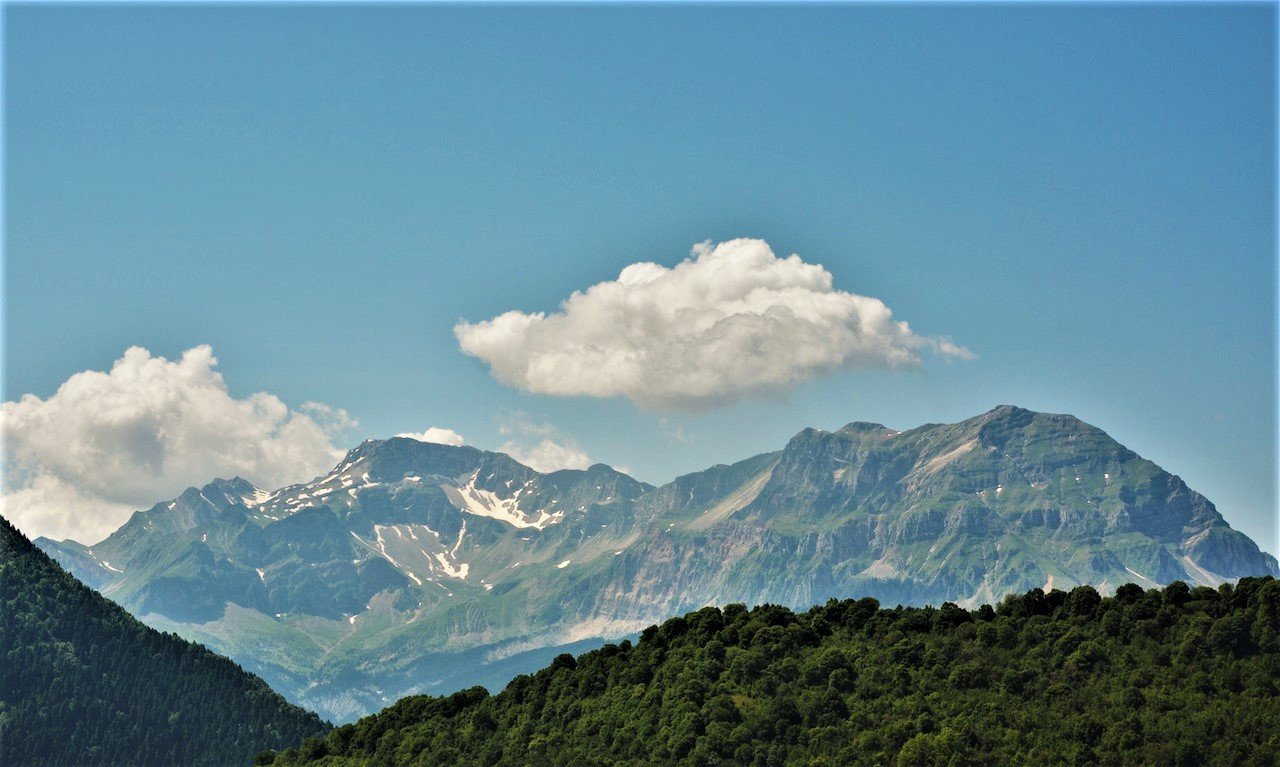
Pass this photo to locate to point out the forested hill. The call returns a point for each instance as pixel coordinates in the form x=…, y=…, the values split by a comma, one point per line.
x=1174, y=677
x=82, y=683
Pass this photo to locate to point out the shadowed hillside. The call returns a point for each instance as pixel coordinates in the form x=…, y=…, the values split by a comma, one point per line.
x=86, y=684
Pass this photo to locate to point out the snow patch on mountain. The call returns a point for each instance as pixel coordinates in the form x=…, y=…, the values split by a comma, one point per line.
x=486, y=503
x=257, y=498
x=1143, y=577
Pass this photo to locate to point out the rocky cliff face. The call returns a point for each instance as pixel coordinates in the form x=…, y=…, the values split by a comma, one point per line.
x=417, y=567
x=964, y=512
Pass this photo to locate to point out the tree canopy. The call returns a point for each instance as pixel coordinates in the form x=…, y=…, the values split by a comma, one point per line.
x=1177, y=676
x=83, y=683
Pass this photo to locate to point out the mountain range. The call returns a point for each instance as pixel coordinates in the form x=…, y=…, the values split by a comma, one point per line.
x=417, y=567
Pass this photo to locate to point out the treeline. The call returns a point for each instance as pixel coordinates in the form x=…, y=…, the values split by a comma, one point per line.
x=1176, y=677
x=83, y=683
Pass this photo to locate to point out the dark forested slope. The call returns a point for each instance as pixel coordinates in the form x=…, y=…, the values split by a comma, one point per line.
x=83, y=683
x=1176, y=676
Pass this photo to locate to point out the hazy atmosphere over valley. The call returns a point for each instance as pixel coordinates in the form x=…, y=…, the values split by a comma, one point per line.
x=393, y=350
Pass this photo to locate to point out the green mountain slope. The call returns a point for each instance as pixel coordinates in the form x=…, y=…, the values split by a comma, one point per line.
x=83, y=683
x=414, y=568
x=1174, y=677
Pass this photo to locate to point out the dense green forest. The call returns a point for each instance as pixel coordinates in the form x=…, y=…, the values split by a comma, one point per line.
x=1174, y=677
x=84, y=683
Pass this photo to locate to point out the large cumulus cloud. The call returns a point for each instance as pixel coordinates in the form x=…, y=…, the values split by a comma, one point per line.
x=730, y=321
x=76, y=464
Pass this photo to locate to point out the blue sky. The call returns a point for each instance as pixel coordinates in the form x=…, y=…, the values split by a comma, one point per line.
x=1083, y=196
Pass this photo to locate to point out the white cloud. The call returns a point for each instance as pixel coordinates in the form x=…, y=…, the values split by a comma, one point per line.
x=730, y=321
x=548, y=455
x=438, y=435
x=540, y=446
x=54, y=508
x=674, y=431
x=76, y=464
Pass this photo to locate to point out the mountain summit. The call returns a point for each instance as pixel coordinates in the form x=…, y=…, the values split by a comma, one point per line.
x=418, y=567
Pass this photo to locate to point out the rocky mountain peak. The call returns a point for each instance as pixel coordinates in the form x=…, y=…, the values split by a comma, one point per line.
x=863, y=427
x=1007, y=411
x=231, y=491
